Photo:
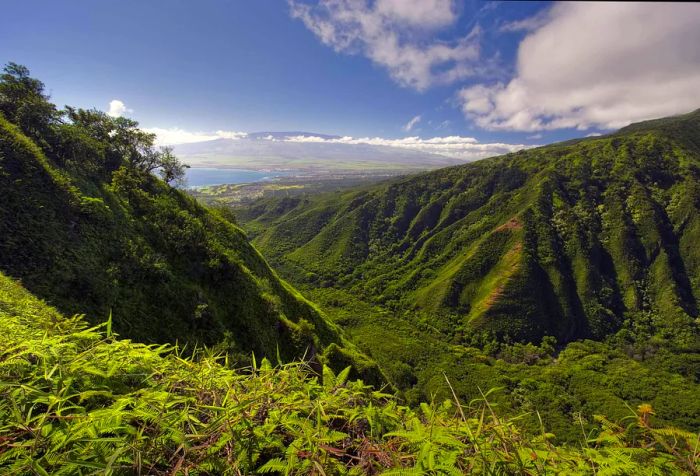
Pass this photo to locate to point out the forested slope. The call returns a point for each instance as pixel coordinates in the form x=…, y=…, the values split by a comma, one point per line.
x=567, y=240
x=86, y=225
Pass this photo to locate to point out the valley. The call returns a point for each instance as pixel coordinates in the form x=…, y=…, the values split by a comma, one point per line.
x=349, y=238
x=531, y=313
x=513, y=272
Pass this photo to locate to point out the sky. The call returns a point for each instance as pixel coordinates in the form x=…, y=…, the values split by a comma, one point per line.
x=471, y=76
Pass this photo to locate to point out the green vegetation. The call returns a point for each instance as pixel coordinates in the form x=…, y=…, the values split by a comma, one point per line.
x=292, y=187
x=85, y=225
x=497, y=273
x=567, y=240
x=565, y=386
x=523, y=296
x=80, y=401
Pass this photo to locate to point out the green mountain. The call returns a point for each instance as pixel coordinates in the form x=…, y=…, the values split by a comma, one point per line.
x=496, y=274
x=570, y=240
x=435, y=277
x=87, y=227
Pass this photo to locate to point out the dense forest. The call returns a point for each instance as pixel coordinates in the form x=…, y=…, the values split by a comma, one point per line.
x=528, y=314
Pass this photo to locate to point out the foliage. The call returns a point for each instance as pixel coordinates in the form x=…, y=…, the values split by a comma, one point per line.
x=23, y=101
x=565, y=385
x=497, y=272
x=170, y=168
x=482, y=276
x=78, y=400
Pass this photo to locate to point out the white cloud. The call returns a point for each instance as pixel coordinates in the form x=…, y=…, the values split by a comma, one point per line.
x=466, y=148
x=117, y=108
x=526, y=24
x=176, y=135
x=420, y=13
x=594, y=134
x=597, y=65
x=230, y=135
x=409, y=125
x=535, y=136
x=392, y=33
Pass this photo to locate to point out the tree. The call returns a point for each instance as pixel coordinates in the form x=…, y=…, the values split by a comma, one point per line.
x=96, y=140
x=23, y=102
x=85, y=140
x=171, y=169
x=123, y=143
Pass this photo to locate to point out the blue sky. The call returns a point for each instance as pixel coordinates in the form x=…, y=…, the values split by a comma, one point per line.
x=498, y=72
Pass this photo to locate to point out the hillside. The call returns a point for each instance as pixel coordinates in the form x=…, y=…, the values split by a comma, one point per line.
x=79, y=401
x=85, y=225
x=568, y=240
x=496, y=274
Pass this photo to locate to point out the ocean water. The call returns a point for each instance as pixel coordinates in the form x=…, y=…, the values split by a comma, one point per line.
x=202, y=176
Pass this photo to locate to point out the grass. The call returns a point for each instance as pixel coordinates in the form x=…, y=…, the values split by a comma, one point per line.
x=85, y=225
x=608, y=229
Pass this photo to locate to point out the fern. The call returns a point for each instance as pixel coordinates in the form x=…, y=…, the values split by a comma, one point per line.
x=74, y=400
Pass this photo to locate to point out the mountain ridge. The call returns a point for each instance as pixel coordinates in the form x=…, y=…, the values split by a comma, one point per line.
x=580, y=207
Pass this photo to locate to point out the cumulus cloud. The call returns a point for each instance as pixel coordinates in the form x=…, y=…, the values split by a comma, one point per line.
x=117, y=108
x=465, y=148
x=175, y=135
x=596, y=65
x=393, y=34
x=409, y=125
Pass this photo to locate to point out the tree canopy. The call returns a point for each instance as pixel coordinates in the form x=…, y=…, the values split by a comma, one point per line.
x=86, y=140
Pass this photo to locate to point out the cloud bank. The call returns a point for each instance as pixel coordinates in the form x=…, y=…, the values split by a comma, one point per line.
x=595, y=65
x=395, y=35
x=175, y=135
x=456, y=147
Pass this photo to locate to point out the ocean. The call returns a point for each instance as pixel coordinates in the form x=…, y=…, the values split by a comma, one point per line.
x=202, y=176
